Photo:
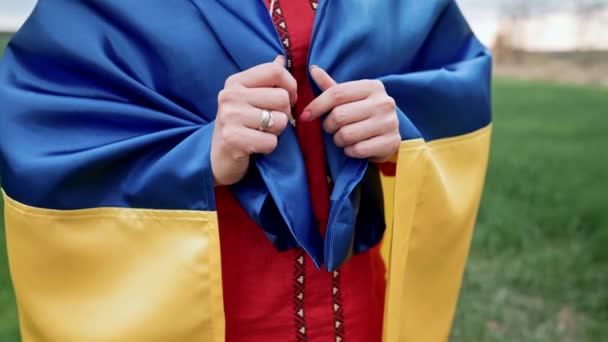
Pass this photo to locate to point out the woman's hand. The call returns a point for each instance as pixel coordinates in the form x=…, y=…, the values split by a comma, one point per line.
x=241, y=103
x=362, y=116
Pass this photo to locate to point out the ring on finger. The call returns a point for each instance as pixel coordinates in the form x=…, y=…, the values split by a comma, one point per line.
x=266, y=121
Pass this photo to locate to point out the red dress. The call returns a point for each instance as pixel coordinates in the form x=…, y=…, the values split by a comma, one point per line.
x=272, y=296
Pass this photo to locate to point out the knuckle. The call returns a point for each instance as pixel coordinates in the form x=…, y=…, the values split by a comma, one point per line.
x=329, y=125
x=377, y=103
x=269, y=144
x=379, y=85
x=228, y=112
x=223, y=97
x=348, y=136
x=280, y=123
x=338, y=140
x=288, y=112
x=337, y=94
x=276, y=72
x=390, y=103
x=397, y=140
x=389, y=123
x=394, y=124
x=356, y=151
x=284, y=96
x=386, y=104
x=343, y=138
x=393, y=144
x=293, y=84
x=348, y=152
x=230, y=81
x=229, y=95
x=339, y=117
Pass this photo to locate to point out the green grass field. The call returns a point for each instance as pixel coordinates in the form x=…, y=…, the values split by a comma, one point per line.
x=9, y=331
x=8, y=314
x=538, y=269
x=3, y=40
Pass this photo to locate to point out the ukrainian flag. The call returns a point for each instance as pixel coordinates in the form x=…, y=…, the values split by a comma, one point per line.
x=106, y=120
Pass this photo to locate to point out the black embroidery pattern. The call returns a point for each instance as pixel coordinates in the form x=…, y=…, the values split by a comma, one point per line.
x=299, y=273
x=337, y=307
x=314, y=4
x=298, y=295
x=299, y=283
x=279, y=22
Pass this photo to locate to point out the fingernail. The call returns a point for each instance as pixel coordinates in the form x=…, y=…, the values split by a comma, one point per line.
x=306, y=115
x=293, y=122
x=287, y=117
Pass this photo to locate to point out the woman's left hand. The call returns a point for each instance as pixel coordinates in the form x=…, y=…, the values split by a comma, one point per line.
x=362, y=116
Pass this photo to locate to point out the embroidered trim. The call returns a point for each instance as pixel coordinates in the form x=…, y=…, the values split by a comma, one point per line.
x=279, y=22
x=299, y=273
x=299, y=285
x=314, y=4
x=337, y=307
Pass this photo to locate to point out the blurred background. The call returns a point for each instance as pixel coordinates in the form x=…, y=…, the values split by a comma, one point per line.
x=538, y=268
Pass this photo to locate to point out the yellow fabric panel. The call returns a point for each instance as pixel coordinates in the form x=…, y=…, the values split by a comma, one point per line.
x=396, y=242
x=436, y=195
x=112, y=274
x=388, y=187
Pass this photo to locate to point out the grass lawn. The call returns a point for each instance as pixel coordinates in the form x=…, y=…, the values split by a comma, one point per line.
x=8, y=313
x=3, y=40
x=538, y=269
x=9, y=331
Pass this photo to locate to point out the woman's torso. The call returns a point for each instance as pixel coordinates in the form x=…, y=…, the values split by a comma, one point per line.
x=273, y=296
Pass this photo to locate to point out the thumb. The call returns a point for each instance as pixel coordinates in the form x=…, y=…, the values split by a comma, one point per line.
x=322, y=78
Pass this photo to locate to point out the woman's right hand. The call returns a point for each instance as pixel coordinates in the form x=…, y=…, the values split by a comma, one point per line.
x=237, y=133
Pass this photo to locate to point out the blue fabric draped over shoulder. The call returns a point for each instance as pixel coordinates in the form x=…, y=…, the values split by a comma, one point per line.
x=115, y=107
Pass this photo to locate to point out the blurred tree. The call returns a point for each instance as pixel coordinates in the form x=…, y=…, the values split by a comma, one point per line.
x=586, y=10
x=514, y=15
x=512, y=31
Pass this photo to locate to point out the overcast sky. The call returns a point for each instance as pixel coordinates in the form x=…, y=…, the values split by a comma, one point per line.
x=13, y=12
x=557, y=32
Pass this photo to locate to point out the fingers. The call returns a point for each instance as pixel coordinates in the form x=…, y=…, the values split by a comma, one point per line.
x=256, y=142
x=375, y=148
x=337, y=94
x=275, y=99
x=252, y=118
x=321, y=78
x=269, y=75
x=247, y=116
x=347, y=114
x=359, y=131
x=236, y=134
x=241, y=142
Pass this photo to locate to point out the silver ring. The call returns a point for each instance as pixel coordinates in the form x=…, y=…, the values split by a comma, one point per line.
x=266, y=122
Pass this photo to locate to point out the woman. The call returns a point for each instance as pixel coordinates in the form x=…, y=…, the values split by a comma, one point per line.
x=155, y=189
